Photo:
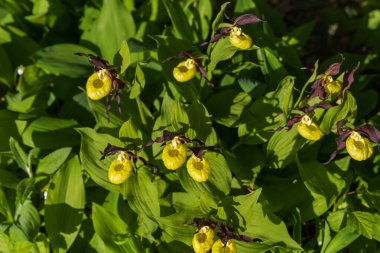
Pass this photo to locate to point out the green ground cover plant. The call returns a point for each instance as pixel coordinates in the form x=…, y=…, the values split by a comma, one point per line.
x=189, y=126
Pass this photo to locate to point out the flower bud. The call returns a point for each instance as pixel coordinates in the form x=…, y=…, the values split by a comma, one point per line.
x=174, y=154
x=219, y=247
x=185, y=71
x=203, y=239
x=308, y=129
x=98, y=85
x=198, y=169
x=358, y=147
x=240, y=39
x=120, y=169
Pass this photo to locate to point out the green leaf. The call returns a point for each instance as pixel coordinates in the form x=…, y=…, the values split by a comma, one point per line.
x=176, y=227
x=223, y=50
x=269, y=228
x=113, y=231
x=270, y=65
x=59, y=59
x=9, y=128
x=180, y=120
x=244, y=247
x=284, y=94
x=336, y=220
x=112, y=26
x=91, y=145
x=5, y=243
x=6, y=75
x=323, y=185
x=227, y=106
x=8, y=179
x=123, y=57
x=50, y=133
x=27, y=220
x=341, y=240
x=138, y=83
x=299, y=36
x=20, y=157
x=51, y=162
x=217, y=186
x=258, y=221
x=164, y=121
x=4, y=207
x=361, y=222
x=64, y=205
x=24, y=190
x=337, y=113
x=219, y=18
x=199, y=120
x=283, y=146
x=131, y=134
x=179, y=21
x=142, y=194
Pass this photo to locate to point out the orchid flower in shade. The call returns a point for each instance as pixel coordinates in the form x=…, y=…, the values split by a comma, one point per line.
x=307, y=128
x=203, y=239
x=226, y=234
x=174, y=154
x=104, y=82
x=220, y=247
x=327, y=85
x=237, y=37
x=185, y=70
x=124, y=155
x=198, y=145
x=356, y=141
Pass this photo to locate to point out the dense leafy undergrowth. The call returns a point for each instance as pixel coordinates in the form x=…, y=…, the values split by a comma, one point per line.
x=166, y=126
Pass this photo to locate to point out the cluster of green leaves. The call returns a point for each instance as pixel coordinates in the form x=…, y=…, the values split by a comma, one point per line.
x=54, y=190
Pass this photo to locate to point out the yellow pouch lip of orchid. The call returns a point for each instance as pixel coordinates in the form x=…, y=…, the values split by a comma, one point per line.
x=240, y=39
x=120, y=169
x=206, y=234
x=308, y=129
x=358, y=147
x=98, y=85
x=174, y=155
x=218, y=247
x=185, y=71
x=198, y=169
x=333, y=87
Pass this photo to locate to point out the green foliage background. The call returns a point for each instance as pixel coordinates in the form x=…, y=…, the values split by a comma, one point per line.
x=54, y=191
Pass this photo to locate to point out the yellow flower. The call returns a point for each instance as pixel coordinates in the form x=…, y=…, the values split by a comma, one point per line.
x=98, y=85
x=358, y=147
x=120, y=169
x=332, y=86
x=185, y=71
x=240, y=39
x=308, y=129
x=203, y=239
x=198, y=169
x=174, y=154
x=219, y=247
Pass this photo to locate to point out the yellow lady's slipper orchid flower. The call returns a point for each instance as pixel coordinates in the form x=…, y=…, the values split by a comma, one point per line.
x=219, y=247
x=198, y=169
x=240, y=39
x=120, y=169
x=308, y=129
x=203, y=239
x=174, y=154
x=185, y=71
x=331, y=86
x=358, y=147
x=98, y=85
